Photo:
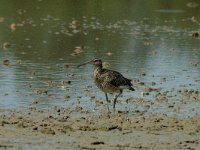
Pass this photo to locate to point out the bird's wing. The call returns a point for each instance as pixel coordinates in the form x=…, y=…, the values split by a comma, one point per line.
x=115, y=78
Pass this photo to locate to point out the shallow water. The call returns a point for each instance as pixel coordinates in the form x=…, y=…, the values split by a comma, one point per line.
x=145, y=41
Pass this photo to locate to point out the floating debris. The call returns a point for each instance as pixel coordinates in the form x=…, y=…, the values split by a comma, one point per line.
x=66, y=66
x=29, y=46
x=106, y=64
x=195, y=34
x=142, y=94
x=163, y=79
x=92, y=98
x=97, y=143
x=6, y=62
x=21, y=11
x=78, y=50
x=141, y=83
x=65, y=82
x=147, y=43
x=78, y=109
x=143, y=74
x=27, y=39
x=40, y=91
x=35, y=102
x=109, y=53
x=194, y=19
x=192, y=5
x=154, y=52
x=13, y=27
x=153, y=83
x=1, y=19
x=74, y=23
x=66, y=97
x=29, y=85
x=6, y=45
x=47, y=130
x=57, y=33
x=19, y=62
x=150, y=89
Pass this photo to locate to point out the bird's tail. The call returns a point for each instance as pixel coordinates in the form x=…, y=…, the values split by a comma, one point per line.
x=131, y=88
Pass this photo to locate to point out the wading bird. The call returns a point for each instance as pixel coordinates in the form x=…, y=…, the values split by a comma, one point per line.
x=109, y=81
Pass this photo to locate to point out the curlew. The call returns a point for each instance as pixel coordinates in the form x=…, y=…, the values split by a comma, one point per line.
x=109, y=81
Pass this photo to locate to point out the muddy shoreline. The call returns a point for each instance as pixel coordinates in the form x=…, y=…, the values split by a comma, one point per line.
x=66, y=129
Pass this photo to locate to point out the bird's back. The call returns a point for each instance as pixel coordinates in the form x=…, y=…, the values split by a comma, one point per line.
x=110, y=81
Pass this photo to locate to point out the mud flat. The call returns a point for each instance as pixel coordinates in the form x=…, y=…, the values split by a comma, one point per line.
x=60, y=128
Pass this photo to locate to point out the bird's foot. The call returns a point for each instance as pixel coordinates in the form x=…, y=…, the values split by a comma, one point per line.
x=108, y=114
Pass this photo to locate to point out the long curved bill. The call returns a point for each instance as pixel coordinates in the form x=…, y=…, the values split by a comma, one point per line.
x=85, y=63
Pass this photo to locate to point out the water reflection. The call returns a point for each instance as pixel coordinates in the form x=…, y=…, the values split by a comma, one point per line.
x=134, y=37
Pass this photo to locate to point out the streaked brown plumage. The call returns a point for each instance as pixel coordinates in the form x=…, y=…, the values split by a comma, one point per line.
x=109, y=81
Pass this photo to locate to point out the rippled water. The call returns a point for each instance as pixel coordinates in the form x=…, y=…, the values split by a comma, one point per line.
x=146, y=43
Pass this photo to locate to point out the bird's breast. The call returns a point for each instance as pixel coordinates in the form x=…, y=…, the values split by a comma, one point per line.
x=105, y=86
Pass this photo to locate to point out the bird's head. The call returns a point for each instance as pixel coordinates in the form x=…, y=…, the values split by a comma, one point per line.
x=96, y=62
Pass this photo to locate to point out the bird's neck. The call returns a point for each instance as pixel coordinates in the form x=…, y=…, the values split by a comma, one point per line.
x=98, y=68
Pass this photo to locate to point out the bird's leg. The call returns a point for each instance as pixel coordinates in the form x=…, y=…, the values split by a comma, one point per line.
x=115, y=99
x=107, y=102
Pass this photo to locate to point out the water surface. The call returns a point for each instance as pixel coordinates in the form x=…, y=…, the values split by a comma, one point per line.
x=147, y=41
